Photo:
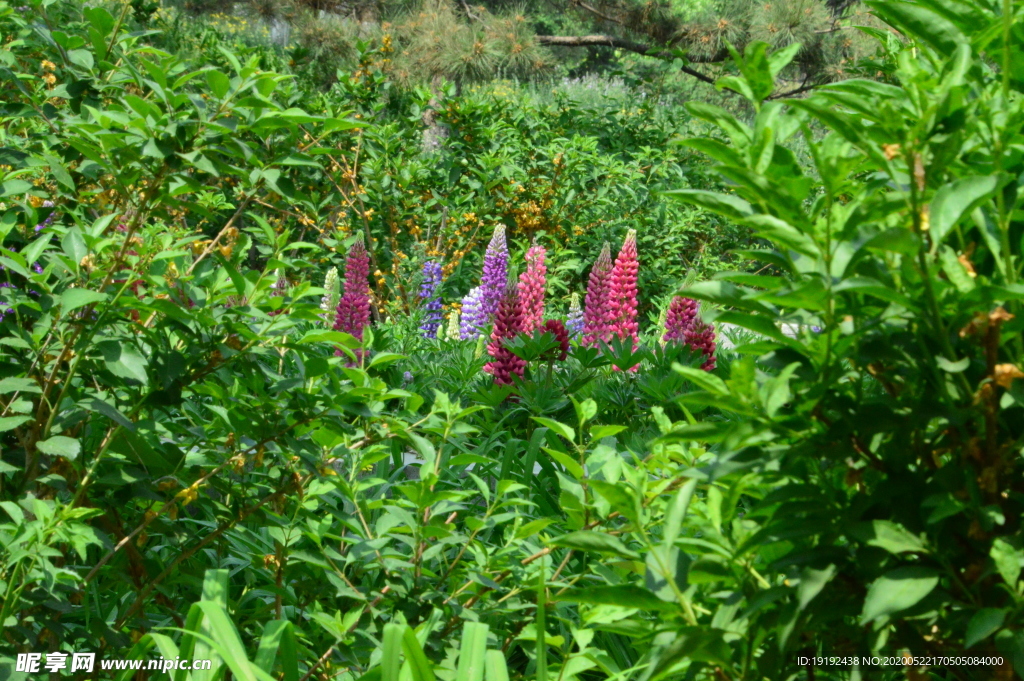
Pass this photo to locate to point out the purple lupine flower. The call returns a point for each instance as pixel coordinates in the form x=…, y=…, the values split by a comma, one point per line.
x=37, y=268
x=474, y=317
x=575, y=321
x=495, y=272
x=816, y=329
x=428, y=292
x=407, y=377
x=47, y=222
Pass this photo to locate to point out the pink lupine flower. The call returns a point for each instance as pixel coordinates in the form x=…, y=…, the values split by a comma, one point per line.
x=531, y=288
x=353, y=311
x=597, y=310
x=508, y=323
x=623, y=290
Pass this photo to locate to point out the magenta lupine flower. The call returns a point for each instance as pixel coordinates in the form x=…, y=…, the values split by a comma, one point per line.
x=681, y=314
x=474, y=317
x=701, y=337
x=508, y=322
x=684, y=325
x=597, y=312
x=495, y=272
x=575, y=320
x=353, y=311
x=531, y=288
x=432, y=274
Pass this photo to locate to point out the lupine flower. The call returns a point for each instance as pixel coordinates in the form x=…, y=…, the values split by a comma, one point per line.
x=474, y=316
x=556, y=327
x=531, y=288
x=453, y=326
x=623, y=289
x=495, y=272
x=575, y=320
x=701, y=337
x=597, y=313
x=332, y=292
x=353, y=311
x=432, y=302
x=407, y=377
x=681, y=314
x=49, y=219
x=684, y=325
x=508, y=322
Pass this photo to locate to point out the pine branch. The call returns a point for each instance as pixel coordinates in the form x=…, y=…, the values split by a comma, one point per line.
x=622, y=44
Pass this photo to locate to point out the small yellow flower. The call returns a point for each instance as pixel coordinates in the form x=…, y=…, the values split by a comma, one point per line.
x=48, y=65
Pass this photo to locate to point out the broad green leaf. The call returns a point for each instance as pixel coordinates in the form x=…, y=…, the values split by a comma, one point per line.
x=890, y=536
x=74, y=298
x=59, y=445
x=704, y=380
x=1008, y=561
x=122, y=359
x=956, y=199
x=390, y=660
x=983, y=624
x=811, y=583
x=676, y=512
x=898, y=590
x=497, y=668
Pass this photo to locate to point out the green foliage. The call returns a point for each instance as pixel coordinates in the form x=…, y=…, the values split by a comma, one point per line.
x=193, y=465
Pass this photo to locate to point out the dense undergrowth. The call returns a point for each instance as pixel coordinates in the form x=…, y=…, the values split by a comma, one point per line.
x=194, y=462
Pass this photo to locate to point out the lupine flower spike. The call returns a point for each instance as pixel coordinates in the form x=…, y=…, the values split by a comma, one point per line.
x=332, y=292
x=561, y=334
x=430, y=300
x=531, y=288
x=495, y=272
x=353, y=311
x=597, y=312
x=474, y=316
x=684, y=325
x=453, y=326
x=623, y=292
x=575, y=321
x=508, y=322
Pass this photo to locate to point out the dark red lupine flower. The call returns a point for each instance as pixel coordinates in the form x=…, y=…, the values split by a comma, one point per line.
x=508, y=322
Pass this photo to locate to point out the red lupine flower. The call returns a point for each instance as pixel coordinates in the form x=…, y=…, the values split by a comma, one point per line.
x=597, y=313
x=684, y=325
x=508, y=322
x=622, y=292
x=681, y=314
x=531, y=288
x=561, y=334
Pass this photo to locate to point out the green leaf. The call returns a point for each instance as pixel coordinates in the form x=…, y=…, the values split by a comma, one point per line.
x=14, y=187
x=59, y=445
x=677, y=511
x=920, y=23
x=983, y=624
x=12, y=422
x=588, y=540
x=419, y=665
x=890, y=536
x=14, y=384
x=956, y=199
x=123, y=359
x=391, y=661
x=704, y=380
x=278, y=641
x=560, y=428
x=952, y=367
x=82, y=58
x=898, y=590
x=218, y=82
x=567, y=461
x=700, y=644
x=811, y=583
x=621, y=595
x=74, y=298
x=730, y=206
x=1007, y=560
x=472, y=652
x=497, y=668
